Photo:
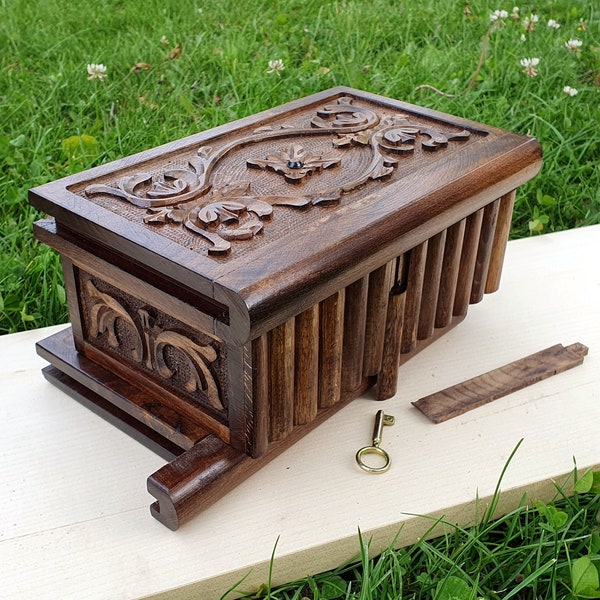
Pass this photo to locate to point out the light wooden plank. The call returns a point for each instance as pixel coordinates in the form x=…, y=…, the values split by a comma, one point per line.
x=76, y=510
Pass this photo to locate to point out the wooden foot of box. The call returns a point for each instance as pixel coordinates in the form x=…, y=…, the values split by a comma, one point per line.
x=199, y=472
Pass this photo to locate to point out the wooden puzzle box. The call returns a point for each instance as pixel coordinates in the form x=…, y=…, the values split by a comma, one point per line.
x=230, y=290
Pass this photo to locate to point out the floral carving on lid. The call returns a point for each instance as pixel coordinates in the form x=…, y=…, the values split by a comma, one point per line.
x=295, y=163
x=204, y=197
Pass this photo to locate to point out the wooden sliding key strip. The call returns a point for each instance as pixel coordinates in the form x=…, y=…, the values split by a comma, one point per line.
x=480, y=390
x=381, y=419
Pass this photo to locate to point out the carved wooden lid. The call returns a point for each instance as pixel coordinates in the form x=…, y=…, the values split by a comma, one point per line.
x=307, y=196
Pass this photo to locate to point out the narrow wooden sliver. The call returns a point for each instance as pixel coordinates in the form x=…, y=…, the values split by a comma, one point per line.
x=480, y=390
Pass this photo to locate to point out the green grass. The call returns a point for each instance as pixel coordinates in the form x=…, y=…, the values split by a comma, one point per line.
x=383, y=46
x=544, y=551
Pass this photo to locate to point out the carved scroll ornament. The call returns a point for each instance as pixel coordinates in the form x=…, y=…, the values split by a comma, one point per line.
x=198, y=198
x=149, y=343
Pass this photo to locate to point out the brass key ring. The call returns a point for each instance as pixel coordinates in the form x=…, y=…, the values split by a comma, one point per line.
x=381, y=419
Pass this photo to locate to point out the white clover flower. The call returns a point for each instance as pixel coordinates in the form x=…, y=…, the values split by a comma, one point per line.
x=530, y=21
x=515, y=13
x=523, y=37
x=275, y=66
x=574, y=45
x=569, y=91
x=553, y=24
x=529, y=65
x=96, y=71
x=530, y=62
x=498, y=15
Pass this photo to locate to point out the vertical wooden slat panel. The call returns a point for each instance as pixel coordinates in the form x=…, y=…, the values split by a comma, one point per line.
x=452, y=251
x=484, y=251
x=281, y=380
x=431, y=285
x=388, y=375
x=355, y=319
x=331, y=340
x=71, y=287
x=380, y=284
x=260, y=395
x=306, y=380
x=414, y=290
x=467, y=263
x=503, y=223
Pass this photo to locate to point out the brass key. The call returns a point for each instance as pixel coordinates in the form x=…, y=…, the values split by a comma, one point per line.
x=381, y=419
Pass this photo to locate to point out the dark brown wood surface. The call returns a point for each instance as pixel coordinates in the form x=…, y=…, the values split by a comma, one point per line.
x=380, y=284
x=281, y=380
x=468, y=261
x=412, y=306
x=331, y=343
x=116, y=400
x=449, y=275
x=241, y=281
x=367, y=229
x=431, y=285
x=306, y=368
x=505, y=212
x=480, y=390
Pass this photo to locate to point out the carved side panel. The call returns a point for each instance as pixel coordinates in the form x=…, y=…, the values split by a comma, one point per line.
x=187, y=362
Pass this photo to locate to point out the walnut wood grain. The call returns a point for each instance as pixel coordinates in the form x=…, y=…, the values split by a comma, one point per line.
x=306, y=379
x=380, y=284
x=468, y=260
x=275, y=236
x=454, y=180
x=116, y=397
x=410, y=320
x=281, y=380
x=388, y=375
x=331, y=343
x=186, y=487
x=355, y=320
x=484, y=251
x=260, y=396
x=431, y=285
x=480, y=390
x=449, y=276
x=502, y=232
x=123, y=421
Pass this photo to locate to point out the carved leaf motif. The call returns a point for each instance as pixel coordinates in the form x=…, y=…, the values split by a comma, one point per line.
x=294, y=163
x=401, y=135
x=381, y=171
x=345, y=115
x=259, y=207
x=241, y=233
x=328, y=200
x=158, y=215
x=204, y=151
x=128, y=184
x=167, y=189
x=219, y=245
x=103, y=316
x=221, y=211
x=177, y=215
x=438, y=138
x=199, y=358
x=362, y=138
x=295, y=201
x=176, y=186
